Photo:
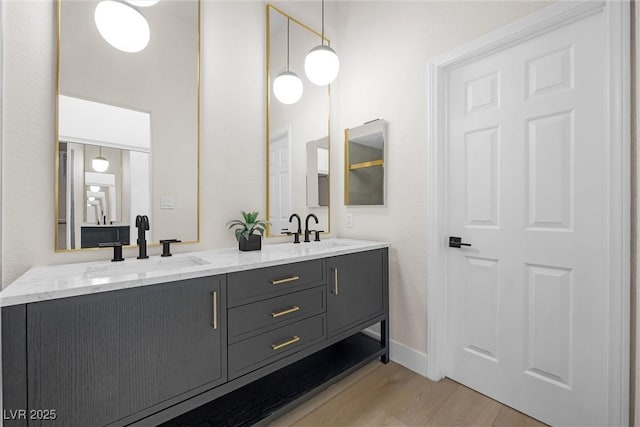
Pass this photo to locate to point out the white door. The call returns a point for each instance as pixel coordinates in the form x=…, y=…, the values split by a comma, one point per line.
x=527, y=302
x=279, y=181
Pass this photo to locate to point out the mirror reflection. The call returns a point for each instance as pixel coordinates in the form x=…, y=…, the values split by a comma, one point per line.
x=318, y=173
x=298, y=133
x=364, y=164
x=128, y=127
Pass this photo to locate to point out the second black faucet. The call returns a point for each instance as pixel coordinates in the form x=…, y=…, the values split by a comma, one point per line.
x=306, y=227
x=142, y=223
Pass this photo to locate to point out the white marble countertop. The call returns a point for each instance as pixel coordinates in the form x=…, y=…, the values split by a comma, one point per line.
x=66, y=280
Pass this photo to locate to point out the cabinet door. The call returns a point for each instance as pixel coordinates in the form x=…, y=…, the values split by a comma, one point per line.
x=356, y=289
x=99, y=358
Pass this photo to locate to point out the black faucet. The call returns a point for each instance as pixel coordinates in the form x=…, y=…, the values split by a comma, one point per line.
x=142, y=223
x=306, y=226
x=166, y=246
x=117, y=250
x=296, y=234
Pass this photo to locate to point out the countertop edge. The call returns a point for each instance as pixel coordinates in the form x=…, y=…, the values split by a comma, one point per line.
x=127, y=282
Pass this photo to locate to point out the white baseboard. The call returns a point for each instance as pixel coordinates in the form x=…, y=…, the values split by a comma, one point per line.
x=403, y=355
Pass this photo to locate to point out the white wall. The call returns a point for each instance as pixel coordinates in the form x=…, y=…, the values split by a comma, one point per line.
x=383, y=47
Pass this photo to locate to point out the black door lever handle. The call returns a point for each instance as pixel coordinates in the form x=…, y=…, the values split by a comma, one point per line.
x=456, y=242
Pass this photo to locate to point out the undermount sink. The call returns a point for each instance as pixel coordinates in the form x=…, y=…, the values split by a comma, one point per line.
x=328, y=244
x=142, y=266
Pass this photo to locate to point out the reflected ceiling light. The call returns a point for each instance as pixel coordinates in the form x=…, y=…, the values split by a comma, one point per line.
x=287, y=86
x=91, y=198
x=142, y=3
x=94, y=188
x=322, y=64
x=122, y=26
x=100, y=164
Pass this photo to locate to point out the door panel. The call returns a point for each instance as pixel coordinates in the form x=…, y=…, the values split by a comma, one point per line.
x=550, y=171
x=279, y=181
x=481, y=303
x=356, y=290
x=527, y=302
x=549, y=330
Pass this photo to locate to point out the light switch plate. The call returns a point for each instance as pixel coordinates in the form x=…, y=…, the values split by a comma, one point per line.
x=167, y=202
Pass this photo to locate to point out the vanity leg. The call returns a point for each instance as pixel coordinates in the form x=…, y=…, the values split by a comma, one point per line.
x=384, y=340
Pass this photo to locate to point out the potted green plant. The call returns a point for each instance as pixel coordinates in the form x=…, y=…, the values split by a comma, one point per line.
x=246, y=230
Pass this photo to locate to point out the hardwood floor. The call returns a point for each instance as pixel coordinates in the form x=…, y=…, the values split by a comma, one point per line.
x=392, y=395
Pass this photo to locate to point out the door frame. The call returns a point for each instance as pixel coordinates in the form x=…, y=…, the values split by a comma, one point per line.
x=618, y=187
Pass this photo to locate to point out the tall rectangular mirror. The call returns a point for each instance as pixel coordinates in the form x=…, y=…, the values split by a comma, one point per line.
x=364, y=171
x=127, y=122
x=297, y=134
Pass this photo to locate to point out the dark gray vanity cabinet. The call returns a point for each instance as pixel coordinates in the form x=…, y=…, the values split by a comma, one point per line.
x=99, y=358
x=252, y=342
x=357, y=289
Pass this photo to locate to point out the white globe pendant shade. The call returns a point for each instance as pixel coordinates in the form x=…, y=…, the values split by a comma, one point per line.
x=122, y=26
x=321, y=65
x=100, y=164
x=142, y=3
x=287, y=87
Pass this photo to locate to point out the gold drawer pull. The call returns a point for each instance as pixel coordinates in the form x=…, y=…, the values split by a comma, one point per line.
x=285, y=280
x=335, y=280
x=293, y=339
x=286, y=311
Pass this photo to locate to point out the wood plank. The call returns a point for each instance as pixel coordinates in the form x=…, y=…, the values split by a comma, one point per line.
x=391, y=395
x=353, y=402
x=509, y=417
x=466, y=407
x=322, y=398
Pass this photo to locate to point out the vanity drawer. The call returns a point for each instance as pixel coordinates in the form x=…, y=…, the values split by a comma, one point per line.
x=249, y=286
x=261, y=350
x=252, y=318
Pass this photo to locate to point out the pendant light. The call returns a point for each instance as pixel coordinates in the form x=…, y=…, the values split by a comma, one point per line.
x=94, y=188
x=142, y=3
x=287, y=86
x=122, y=26
x=100, y=164
x=322, y=64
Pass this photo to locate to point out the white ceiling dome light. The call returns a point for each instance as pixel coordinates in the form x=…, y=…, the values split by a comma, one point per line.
x=122, y=26
x=321, y=63
x=287, y=87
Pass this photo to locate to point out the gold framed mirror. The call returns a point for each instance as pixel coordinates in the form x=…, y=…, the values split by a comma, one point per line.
x=128, y=124
x=298, y=137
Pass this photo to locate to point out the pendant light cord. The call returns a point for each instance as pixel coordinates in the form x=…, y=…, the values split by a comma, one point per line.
x=322, y=39
x=288, y=24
